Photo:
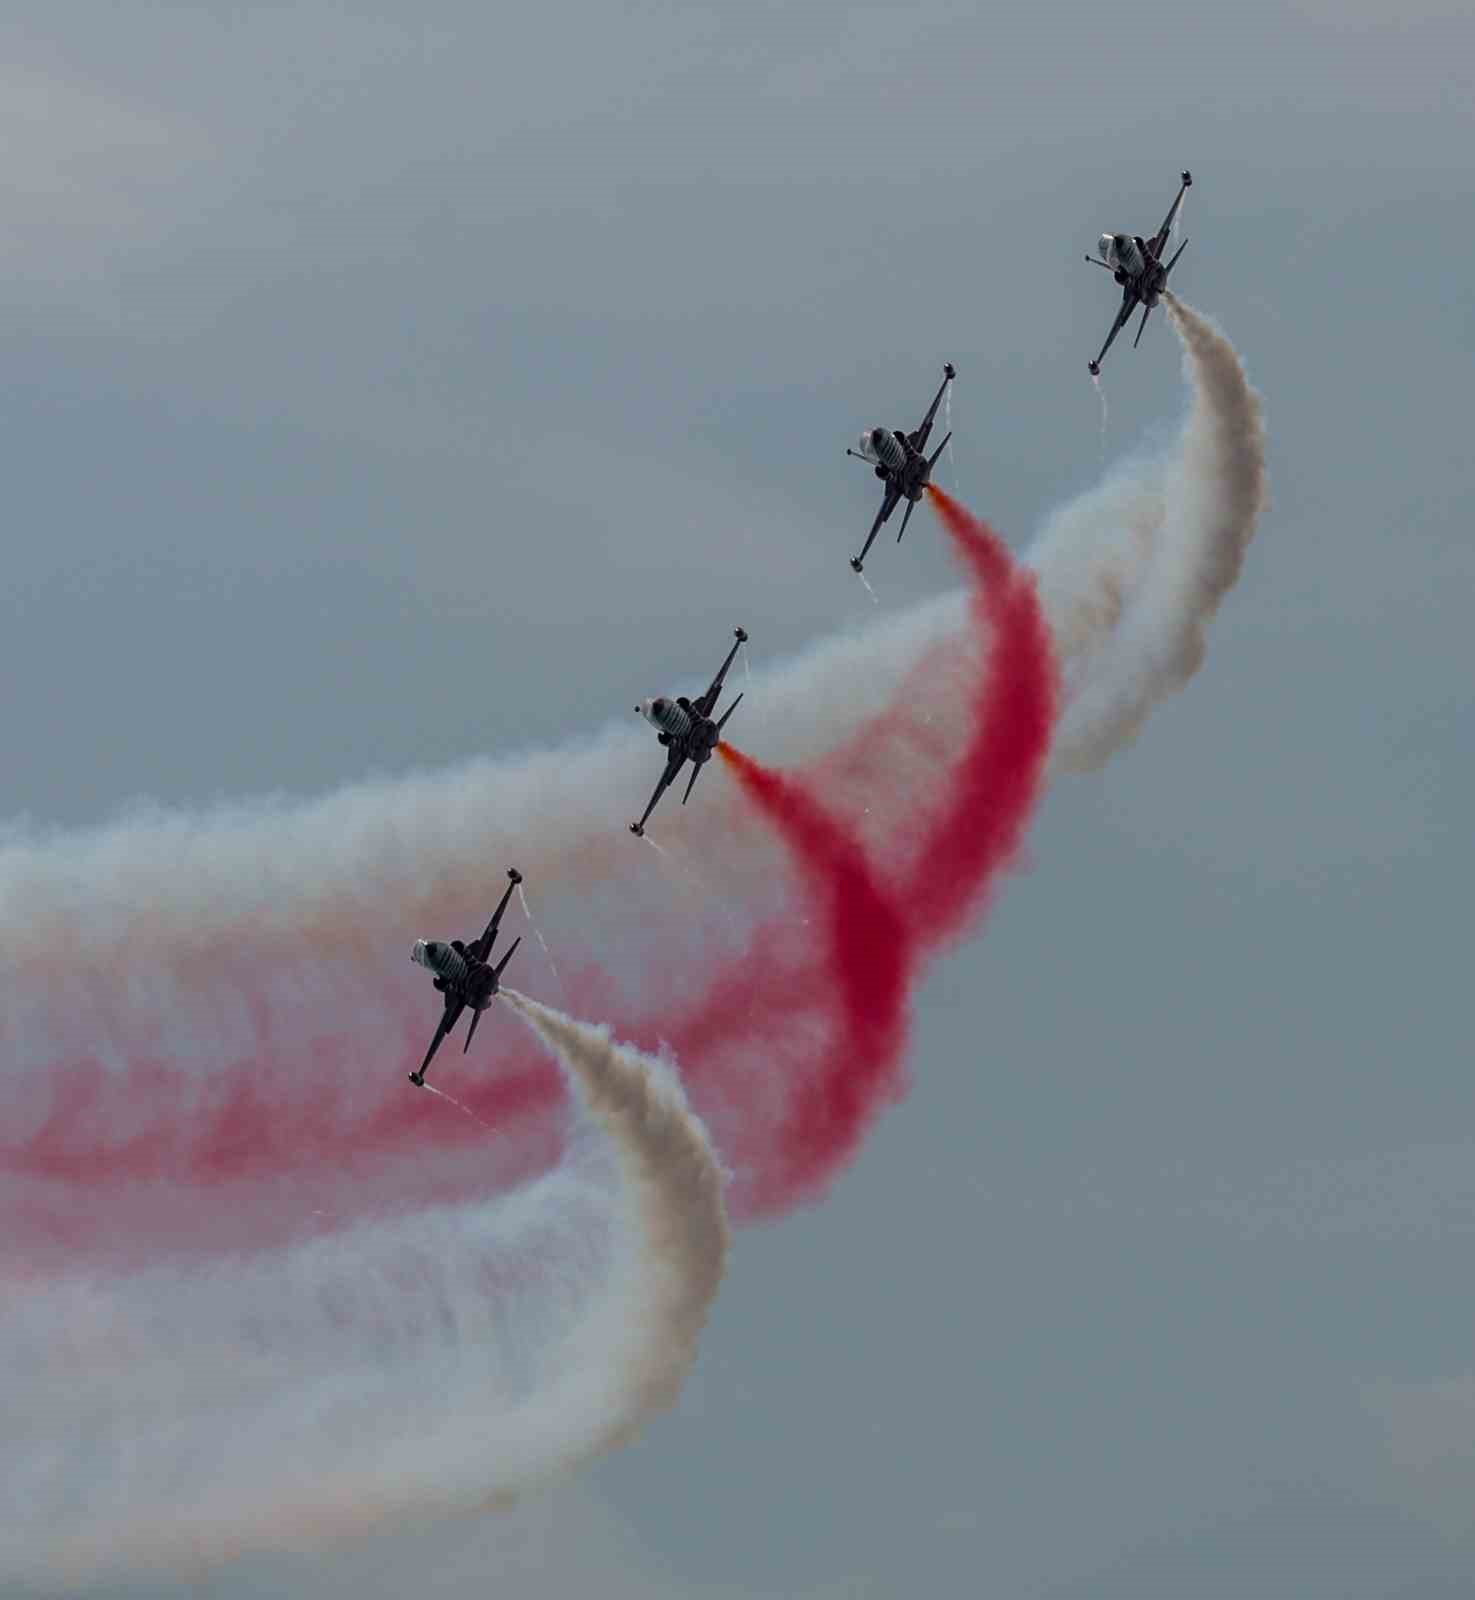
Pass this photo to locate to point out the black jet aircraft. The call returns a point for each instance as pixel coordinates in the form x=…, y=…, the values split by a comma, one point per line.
x=1137, y=264
x=901, y=464
x=685, y=727
x=464, y=976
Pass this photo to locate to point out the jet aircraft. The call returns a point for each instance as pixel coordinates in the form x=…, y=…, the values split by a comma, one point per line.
x=900, y=463
x=685, y=727
x=1137, y=264
x=464, y=975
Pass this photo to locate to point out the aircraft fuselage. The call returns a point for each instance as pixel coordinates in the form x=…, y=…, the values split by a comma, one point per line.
x=473, y=982
x=896, y=460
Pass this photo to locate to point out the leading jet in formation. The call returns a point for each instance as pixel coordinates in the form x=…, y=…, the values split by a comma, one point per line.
x=464, y=975
x=685, y=728
x=1137, y=265
x=901, y=463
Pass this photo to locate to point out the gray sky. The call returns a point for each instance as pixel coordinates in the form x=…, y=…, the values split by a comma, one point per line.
x=357, y=355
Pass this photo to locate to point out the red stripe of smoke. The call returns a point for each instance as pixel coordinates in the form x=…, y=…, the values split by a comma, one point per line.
x=1000, y=778
x=788, y=1051
x=876, y=938
x=867, y=970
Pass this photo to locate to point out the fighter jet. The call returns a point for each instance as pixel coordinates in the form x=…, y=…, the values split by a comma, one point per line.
x=685, y=727
x=464, y=976
x=900, y=464
x=1137, y=264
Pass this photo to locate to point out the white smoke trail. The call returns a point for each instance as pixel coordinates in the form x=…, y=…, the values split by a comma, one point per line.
x=675, y=1185
x=1138, y=564
x=205, y=940
x=334, y=1380
x=179, y=1417
x=1132, y=574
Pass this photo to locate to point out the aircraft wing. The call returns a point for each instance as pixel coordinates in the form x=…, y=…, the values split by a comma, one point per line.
x=708, y=702
x=482, y=948
x=674, y=763
x=919, y=438
x=1123, y=317
x=1160, y=238
x=448, y=1020
x=888, y=505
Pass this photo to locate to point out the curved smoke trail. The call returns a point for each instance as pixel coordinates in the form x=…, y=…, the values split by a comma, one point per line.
x=1012, y=717
x=674, y=1183
x=1132, y=574
x=190, y=1046
x=883, y=913
x=870, y=962
x=175, y=1418
x=330, y=1135
x=210, y=1120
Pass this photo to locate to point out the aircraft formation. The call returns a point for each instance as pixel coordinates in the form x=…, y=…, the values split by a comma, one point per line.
x=686, y=728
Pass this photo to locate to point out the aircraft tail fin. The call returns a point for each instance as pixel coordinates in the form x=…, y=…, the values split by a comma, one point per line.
x=723, y=723
x=1174, y=262
x=1141, y=326
x=501, y=966
x=696, y=773
x=471, y=1031
x=936, y=455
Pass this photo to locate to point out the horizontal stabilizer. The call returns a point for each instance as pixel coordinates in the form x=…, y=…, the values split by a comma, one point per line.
x=725, y=715
x=471, y=1031
x=501, y=966
x=906, y=517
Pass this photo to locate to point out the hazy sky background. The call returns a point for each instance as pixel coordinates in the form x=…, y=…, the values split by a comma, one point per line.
x=389, y=385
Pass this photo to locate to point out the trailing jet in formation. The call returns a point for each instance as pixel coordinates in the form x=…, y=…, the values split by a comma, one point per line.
x=464, y=976
x=901, y=464
x=1137, y=264
x=685, y=727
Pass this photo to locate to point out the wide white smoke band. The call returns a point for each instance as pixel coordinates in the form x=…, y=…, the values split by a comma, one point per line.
x=1132, y=573
x=176, y=1417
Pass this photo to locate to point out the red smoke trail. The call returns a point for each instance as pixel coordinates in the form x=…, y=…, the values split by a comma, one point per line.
x=868, y=962
x=878, y=931
x=787, y=1049
x=999, y=780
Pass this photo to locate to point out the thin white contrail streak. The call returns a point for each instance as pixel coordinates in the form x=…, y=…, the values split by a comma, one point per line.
x=435, y=1363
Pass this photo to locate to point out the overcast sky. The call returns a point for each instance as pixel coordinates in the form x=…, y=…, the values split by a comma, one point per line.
x=387, y=385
